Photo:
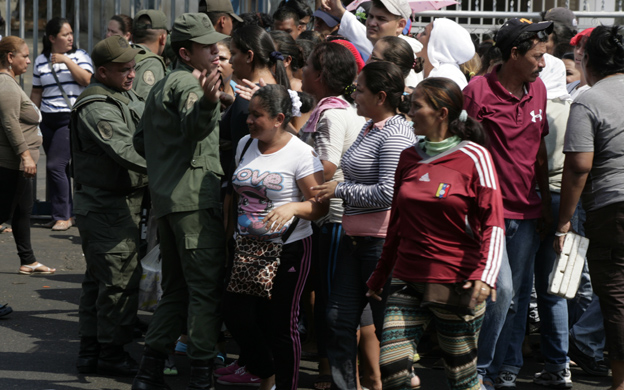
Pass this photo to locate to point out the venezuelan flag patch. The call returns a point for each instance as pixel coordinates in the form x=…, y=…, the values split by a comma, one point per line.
x=443, y=190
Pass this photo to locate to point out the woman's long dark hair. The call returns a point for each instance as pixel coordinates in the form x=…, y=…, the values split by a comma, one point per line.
x=257, y=40
x=288, y=47
x=383, y=76
x=53, y=27
x=605, y=50
x=442, y=92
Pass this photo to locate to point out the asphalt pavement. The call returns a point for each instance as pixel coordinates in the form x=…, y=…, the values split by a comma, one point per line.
x=39, y=340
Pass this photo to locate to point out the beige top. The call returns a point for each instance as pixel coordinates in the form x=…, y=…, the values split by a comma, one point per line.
x=19, y=123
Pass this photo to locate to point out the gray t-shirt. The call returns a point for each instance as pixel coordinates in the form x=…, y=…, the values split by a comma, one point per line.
x=596, y=124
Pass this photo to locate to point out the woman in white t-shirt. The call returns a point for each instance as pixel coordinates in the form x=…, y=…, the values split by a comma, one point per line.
x=276, y=171
x=73, y=68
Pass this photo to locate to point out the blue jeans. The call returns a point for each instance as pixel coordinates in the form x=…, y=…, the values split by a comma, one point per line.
x=504, y=352
x=553, y=310
x=585, y=293
x=584, y=314
x=588, y=332
x=357, y=259
x=494, y=320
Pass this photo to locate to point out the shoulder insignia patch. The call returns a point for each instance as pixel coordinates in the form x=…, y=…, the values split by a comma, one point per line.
x=105, y=129
x=149, y=78
x=192, y=98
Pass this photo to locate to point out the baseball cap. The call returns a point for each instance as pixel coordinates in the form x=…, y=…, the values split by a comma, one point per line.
x=113, y=49
x=157, y=18
x=514, y=27
x=577, y=38
x=195, y=27
x=563, y=16
x=330, y=20
x=398, y=7
x=222, y=6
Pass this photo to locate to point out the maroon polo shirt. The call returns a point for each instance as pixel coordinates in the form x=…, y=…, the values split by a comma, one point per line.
x=515, y=128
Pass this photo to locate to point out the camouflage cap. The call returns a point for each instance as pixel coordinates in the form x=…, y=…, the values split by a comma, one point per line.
x=113, y=49
x=195, y=27
x=224, y=6
x=157, y=18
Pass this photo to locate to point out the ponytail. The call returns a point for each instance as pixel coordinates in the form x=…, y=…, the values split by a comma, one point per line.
x=255, y=39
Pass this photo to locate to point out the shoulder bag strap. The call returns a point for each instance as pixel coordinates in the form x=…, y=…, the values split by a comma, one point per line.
x=290, y=230
x=58, y=83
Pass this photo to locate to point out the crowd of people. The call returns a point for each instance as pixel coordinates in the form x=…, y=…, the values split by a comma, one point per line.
x=332, y=171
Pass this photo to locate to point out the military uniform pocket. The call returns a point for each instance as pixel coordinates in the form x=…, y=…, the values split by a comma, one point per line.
x=207, y=162
x=115, y=263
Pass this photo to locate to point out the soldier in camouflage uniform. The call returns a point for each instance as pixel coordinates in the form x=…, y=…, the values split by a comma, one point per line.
x=149, y=34
x=110, y=180
x=180, y=140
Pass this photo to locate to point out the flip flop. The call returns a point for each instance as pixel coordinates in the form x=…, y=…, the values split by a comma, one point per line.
x=5, y=310
x=36, y=269
x=5, y=229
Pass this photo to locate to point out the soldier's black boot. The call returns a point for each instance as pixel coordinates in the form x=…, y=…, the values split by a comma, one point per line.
x=150, y=375
x=88, y=355
x=114, y=361
x=201, y=376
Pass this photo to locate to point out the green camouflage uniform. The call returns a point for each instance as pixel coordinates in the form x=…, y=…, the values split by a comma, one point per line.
x=150, y=68
x=110, y=181
x=180, y=140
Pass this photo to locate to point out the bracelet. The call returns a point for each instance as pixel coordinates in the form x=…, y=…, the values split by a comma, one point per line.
x=560, y=234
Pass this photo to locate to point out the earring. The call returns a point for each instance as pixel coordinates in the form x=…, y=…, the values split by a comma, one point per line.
x=10, y=67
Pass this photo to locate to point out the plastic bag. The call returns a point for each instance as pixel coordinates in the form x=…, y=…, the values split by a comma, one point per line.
x=150, y=289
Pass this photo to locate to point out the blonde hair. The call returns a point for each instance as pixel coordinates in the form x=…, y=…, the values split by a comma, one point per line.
x=471, y=67
x=10, y=44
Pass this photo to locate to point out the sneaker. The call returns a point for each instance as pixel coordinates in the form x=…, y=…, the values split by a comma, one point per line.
x=170, y=367
x=227, y=370
x=505, y=380
x=556, y=380
x=241, y=377
x=587, y=363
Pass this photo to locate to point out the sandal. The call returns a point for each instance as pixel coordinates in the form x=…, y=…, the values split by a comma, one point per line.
x=37, y=268
x=5, y=310
x=61, y=226
x=5, y=229
x=323, y=382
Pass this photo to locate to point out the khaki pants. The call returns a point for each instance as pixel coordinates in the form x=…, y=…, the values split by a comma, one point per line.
x=192, y=247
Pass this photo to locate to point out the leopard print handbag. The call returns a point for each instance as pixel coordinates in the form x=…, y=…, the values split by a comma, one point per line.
x=255, y=266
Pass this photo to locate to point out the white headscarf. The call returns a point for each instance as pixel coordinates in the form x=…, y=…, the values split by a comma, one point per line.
x=449, y=46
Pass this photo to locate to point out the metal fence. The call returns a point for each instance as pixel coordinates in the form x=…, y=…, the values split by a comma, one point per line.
x=84, y=14
x=475, y=15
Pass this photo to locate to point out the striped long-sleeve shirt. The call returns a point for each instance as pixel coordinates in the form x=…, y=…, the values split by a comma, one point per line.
x=370, y=163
